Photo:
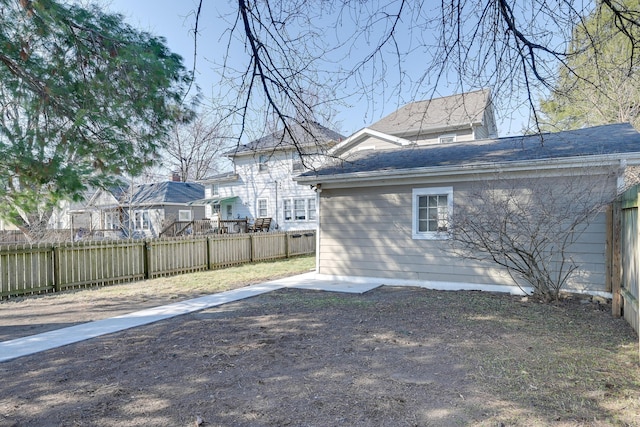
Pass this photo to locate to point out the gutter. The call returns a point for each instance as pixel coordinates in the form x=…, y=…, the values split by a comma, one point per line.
x=369, y=177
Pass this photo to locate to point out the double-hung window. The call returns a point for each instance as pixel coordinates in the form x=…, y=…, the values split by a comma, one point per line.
x=262, y=208
x=432, y=210
x=141, y=220
x=111, y=220
x=288, y=215
x=299, y=209
x=311, y=208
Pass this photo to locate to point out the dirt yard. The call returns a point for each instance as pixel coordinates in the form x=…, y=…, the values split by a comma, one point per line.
x=390, y=357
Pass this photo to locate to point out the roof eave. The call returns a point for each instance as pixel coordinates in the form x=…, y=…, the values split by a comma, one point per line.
x=372, y=177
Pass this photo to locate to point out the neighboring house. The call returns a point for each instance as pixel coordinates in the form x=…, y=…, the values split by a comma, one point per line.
x=457, y=118
x=145, y=210
x=262, y=186
x=370, y=204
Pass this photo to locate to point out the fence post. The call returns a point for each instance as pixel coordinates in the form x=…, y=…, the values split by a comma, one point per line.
x=55, y=265
x=252, y=255
x=287, y=236
x=209, y=253
x=147, y=259
x=616, y=269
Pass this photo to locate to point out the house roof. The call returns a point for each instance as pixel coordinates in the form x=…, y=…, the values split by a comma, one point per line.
x=455, y=111
x=306, y=135
x=221, y=177
x=168, y=192
x=577, y=144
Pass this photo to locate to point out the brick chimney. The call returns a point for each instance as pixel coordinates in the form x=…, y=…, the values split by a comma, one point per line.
x=175, y=176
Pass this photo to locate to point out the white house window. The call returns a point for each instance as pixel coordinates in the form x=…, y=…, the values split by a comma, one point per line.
x=447, y=139
x=296, y=165
x=311, y=204
x=288, y=212
x=432, y=210
x=184, y=216
x=141, y=220
x=229, y=211
x=262, y=163
x=300, y=209
x=262, y=210
x=215, y=190
x=111, y=221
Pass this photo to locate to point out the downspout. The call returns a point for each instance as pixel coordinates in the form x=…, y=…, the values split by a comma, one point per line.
x=318, y=191
x=276, y=213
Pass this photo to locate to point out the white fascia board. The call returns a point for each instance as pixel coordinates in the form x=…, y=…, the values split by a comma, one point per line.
x=445, y=128
x=473, y=172
x=364, y=132
x=229, y=178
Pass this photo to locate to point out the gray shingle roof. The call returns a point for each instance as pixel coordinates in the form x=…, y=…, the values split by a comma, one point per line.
x=166, y=192
x=306, y=135
x=600, y=140
x=421, y=116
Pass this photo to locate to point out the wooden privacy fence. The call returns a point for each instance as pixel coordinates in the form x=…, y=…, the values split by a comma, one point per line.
x=29, y=269
x=625, y=269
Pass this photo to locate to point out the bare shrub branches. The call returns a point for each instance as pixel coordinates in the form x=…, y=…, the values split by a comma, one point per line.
x=529, y=226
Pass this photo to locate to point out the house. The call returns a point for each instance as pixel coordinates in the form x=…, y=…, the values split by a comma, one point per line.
x=456, y=118
x=144, y=210
x=370, y=204
x=261, y=184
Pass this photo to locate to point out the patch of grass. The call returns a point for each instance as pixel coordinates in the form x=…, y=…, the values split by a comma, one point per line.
x=573, y=363
x=190, y=285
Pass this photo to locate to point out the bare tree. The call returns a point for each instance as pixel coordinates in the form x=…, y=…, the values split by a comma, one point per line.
x=369, y=49
x=195, y=149
x=528, y=226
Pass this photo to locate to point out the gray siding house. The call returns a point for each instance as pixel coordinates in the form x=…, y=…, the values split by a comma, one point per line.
x=144, y=210
x=368, y=204
x=456, y=118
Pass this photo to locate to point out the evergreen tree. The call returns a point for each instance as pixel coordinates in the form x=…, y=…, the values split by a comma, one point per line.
x=83, y=97
x=602, y=81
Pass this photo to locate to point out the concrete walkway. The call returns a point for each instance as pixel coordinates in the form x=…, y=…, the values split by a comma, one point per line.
x=33, y=344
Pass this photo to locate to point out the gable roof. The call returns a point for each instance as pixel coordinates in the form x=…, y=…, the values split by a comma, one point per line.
x=306, y=134
x=449, y=112
x=163, y=193
x=597, y=142
x=363, y=135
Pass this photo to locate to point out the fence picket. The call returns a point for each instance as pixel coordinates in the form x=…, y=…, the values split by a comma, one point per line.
x=50, y=267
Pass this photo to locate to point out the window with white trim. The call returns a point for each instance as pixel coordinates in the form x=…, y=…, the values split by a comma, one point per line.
x=288, y=212
x=447, y=139
x=111, y=220
x=184, y=216
x=262, y=208
x=299, y=209
x=432, y=209
x=141, y=220
x=311, y=209
x=262, y=163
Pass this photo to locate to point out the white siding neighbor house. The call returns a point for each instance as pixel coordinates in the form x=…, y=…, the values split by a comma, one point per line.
x=261, y=184
x=371, y=206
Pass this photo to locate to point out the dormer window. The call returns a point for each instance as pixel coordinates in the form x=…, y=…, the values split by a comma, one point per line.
x=447, y=139
x=262, y=163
